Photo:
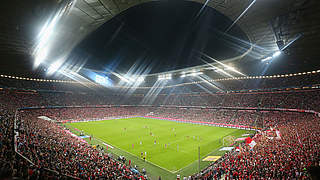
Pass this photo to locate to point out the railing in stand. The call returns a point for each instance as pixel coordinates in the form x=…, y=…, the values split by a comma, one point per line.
x=16, y=134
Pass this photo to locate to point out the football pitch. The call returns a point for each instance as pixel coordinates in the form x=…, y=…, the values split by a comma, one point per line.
x=169, y=145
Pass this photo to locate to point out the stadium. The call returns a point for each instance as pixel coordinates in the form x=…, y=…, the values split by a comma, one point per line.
x=159, y=89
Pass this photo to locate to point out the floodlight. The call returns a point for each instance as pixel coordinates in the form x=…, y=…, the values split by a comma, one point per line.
x=161, y=77
x=196, y=73
x=131, y=79
x=183, y=74
x=191, y=73
x=168, y=76
x=164, y=77
x=100, y=79
x=41, y=49
x=276, y=54
x=54, y=66
x=140, y=79
x=40, y=56
x=266, y=59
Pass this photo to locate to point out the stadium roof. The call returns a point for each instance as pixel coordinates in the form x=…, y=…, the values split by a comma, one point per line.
x=265, y=23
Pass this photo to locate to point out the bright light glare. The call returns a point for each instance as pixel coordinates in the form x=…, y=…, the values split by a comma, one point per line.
x=230, y=68
x=125, y=78
x=140, y=79
x=192, y=73
x=266, y=59
x=55, y=66
x=130, y=78
x=196, y=73
x=183, y=74
x=41, y=50
x=164, y=77
x=276, y=54
x=41, y=56
x=100, y=79
x=224, y=65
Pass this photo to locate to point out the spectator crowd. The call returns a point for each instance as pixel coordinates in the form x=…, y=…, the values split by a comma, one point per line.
x=55, y=154
x=290, y=157
x=49, y=146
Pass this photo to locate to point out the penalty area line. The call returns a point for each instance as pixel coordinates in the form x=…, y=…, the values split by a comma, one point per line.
x=138, y=157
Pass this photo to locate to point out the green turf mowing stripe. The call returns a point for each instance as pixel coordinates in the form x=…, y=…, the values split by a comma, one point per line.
x=176, y=143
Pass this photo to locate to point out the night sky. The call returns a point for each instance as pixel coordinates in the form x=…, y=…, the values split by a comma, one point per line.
x=160, y=36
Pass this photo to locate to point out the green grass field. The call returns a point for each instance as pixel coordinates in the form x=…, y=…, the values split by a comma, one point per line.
x=176, y=145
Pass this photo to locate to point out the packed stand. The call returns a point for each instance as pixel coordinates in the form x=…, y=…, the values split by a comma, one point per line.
x=34, y=142
x=290, y=156
x=92, y=113
x=50, y=146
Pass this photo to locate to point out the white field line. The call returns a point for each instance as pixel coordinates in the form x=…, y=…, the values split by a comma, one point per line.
x=107, y=145
x=137, y=156
x=196, y=160
x=175, y=141
x=201, y=158
x=103, y=142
